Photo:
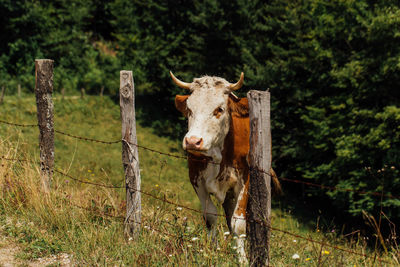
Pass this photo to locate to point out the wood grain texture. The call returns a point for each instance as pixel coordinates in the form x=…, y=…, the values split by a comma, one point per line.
x=259, y=205
x=45, y=115
x=130, y=155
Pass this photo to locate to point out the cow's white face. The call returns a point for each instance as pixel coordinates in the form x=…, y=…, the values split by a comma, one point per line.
x=208, y=117
x=207, y=111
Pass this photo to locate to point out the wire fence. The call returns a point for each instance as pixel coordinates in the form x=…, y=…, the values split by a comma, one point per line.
x=167, y=201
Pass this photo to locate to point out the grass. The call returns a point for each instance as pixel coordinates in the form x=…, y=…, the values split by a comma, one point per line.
x=74, y=219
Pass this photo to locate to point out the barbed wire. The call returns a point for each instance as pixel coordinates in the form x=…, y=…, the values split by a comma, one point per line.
x=87, y=138
x=17, y=124
x=165, y=200
x=188, y=208
x=207, y=160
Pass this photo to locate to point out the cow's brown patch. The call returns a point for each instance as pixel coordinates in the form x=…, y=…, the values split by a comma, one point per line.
x=197, y=164
x=180, y=104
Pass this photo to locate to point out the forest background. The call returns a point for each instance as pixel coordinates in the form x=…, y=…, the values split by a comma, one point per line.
x=332, y=67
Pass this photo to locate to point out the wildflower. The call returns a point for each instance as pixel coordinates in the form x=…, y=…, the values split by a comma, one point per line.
x=218, y=249
x=235, y=247
x=308, y=259
x=92, y=174
x=189, y=245
x=195, y=238
x=201, y=250
x=235, y=237
x=158, y=207
x=392, y=168
x=333, y=230
x=226, y=233
x=130, y=239
x=179, y=208
x=326, y=252
x=66, y=181
x=156, y=185
x=294, y=241
x=89, y=170
x=242, y=236
x=295, y=256
x=170, y=255
x=317, y=230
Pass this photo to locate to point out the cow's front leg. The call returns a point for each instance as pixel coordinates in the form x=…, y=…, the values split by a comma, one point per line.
x=238, y=222
x=209, y=210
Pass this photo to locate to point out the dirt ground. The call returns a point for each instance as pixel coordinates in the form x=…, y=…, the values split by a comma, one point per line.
x=9, y=251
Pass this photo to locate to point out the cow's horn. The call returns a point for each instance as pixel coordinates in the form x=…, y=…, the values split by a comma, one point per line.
x=179, y=82
x=238, y=85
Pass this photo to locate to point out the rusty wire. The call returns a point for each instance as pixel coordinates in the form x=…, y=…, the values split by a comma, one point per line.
x=198, y=211
x=189, y=208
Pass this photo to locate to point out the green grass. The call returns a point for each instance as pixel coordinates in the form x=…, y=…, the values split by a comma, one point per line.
x=52, y=224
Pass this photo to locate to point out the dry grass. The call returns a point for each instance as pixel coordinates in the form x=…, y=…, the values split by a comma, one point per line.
x=83, y=220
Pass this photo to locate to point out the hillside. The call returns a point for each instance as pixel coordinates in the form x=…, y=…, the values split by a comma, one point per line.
x=85, y=221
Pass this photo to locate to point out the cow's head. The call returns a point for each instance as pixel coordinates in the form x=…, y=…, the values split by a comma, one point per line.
x=208, y=113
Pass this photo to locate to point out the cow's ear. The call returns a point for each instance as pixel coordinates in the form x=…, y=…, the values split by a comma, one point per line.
x=180, y=103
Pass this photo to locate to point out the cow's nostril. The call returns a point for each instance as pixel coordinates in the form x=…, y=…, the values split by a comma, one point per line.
x=198, y=143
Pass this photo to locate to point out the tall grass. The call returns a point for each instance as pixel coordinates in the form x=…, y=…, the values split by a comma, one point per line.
x=84, y=220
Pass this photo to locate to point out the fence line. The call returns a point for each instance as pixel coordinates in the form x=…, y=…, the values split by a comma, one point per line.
x=165, y=200
x=326, y=187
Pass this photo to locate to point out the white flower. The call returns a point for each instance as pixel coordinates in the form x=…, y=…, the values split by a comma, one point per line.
x=235, y=247
x=179, y=208
x=235, y=237
x=295, y=256
x=189, y=245
x=130, y=239
x=294, y=241
x=201, y=250
x=195, y=238
x=218, y=249
x=170, y=255
x=226, y=233
x=242, y=236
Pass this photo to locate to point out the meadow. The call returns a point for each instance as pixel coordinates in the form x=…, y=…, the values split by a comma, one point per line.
x=86, y=221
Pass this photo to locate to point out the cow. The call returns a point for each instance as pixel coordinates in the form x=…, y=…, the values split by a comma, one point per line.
x=217, y=143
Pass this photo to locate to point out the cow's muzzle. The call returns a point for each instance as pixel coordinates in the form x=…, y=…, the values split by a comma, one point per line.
x=194, y=143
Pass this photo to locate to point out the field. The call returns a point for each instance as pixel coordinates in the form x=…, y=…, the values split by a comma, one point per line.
x=85, y=221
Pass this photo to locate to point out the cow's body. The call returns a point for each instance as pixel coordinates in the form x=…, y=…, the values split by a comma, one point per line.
x=218, y=144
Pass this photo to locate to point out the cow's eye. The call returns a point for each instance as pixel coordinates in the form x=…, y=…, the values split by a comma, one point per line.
x=218, y=111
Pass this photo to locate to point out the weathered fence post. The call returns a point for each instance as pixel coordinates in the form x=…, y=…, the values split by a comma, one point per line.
x=101, y=91
x=3, y=89
x=44, y=103
x=62, y=93
x=259, y=205
x=19, y=89
x=82, y=93
x=130, y=155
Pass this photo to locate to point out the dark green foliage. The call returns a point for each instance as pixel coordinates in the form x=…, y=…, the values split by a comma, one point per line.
x=332, y=67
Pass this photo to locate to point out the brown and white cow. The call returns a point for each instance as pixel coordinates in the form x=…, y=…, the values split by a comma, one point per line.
x=218, y=132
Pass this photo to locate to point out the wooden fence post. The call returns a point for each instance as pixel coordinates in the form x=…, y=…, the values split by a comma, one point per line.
x=62, y=93
x=259, y=204
x=82, y=93
x=101, y=91
x=3, y=89
x=45, y=107
x=130, y=155
x=19, y=89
